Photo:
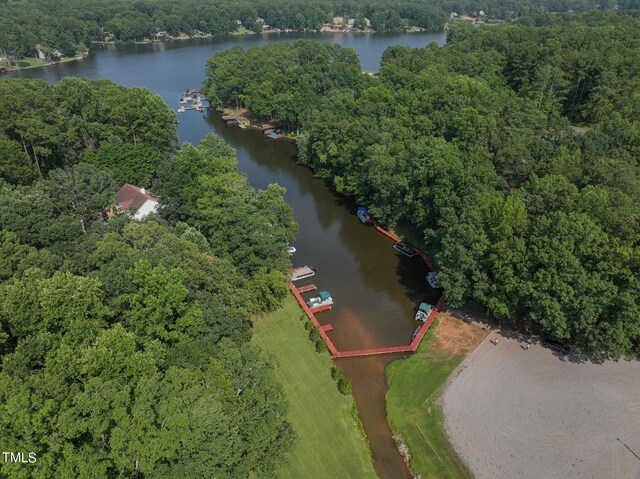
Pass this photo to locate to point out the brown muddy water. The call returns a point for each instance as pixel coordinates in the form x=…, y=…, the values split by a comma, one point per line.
x=376, y=290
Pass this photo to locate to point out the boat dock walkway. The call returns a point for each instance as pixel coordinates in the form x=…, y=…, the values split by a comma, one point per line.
x=320, y=309
x=411, y=347
x=332, y=349
x=307, y=288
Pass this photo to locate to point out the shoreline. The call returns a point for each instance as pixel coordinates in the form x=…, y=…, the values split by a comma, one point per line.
x=34, y=63
x=7, y=69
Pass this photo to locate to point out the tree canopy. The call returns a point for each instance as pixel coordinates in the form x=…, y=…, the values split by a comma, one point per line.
x=71, y=25
x=474, y=145
x=124, y=345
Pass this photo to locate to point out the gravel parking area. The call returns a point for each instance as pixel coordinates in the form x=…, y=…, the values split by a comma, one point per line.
x=515, y=413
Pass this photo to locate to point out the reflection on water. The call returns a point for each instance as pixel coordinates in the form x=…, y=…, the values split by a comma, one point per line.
x=375, y=289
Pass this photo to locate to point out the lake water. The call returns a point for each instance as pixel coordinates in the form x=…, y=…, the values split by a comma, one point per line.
x=376, y=290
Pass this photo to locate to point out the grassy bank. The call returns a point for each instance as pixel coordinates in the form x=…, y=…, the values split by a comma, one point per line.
x=25, y=63
x=413, y=406
x=329, y=444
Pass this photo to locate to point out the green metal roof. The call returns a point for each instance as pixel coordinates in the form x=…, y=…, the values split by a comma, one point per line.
x=424, y=306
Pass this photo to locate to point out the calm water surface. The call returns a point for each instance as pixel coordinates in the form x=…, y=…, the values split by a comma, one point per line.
x=376, y=291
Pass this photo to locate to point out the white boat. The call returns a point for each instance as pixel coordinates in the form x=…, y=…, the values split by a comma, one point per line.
x=302, y=273
x=291, y=249
x=423, y=312
x=363, y=214
x=181, y=109
x=323, y=299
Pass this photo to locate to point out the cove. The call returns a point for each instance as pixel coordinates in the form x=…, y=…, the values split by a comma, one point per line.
x=376, y=291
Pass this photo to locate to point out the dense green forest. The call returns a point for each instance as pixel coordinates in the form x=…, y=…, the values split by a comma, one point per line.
x=71, y=25
x=124, y=345
x=473, y=144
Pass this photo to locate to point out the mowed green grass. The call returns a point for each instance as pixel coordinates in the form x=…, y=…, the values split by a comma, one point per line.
x=414, y=411
x=329, y=444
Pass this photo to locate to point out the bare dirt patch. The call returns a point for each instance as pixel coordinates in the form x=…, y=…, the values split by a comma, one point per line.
x=455, y=336
x=512, y=412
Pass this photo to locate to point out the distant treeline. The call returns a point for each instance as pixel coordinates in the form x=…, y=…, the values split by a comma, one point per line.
x=71, y=25
x=528, y=219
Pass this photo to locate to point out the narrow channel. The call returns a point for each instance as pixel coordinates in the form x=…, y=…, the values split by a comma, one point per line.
x=376, y=290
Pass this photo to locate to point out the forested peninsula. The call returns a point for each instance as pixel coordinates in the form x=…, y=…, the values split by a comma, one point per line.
x=62, y=28
x=512, y=151
x=124, y=345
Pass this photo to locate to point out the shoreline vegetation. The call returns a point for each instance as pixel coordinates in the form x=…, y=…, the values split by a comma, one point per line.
x=528, y=219
x=415, y=413
x=33, y=62
x=330, y=440
x=133, y=334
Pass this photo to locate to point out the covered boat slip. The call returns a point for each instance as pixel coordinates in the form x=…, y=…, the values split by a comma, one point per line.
x=302, y=273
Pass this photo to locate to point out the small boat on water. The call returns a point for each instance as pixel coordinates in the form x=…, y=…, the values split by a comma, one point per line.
x=302, y=272
x=291, y=249
x=363, y=214
x=405, y=249
x=181, y=109
x=323, y=299
x=423, y=312
x=432, y=279
x=415, y=333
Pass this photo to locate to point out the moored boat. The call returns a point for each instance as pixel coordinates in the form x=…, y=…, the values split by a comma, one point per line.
x=363, y=214
x=291, y=249
x=302, y=272
x=423, y=312
x=432, y=279
x=405, y=249
x=323, y=299
x=415, y=333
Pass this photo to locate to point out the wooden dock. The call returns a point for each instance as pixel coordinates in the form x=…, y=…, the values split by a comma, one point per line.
x=307, y=288
x=411, y=347
x=320, y=309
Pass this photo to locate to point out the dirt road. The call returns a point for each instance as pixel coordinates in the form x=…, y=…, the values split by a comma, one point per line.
x=511, y=413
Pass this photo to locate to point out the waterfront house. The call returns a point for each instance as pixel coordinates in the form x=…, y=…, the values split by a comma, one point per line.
x=135, y=201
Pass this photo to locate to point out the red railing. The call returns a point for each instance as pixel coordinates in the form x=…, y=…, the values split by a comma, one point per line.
x=372, y=351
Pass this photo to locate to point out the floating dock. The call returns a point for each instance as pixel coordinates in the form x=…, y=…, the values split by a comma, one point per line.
x=320, y=309
x=302, y=273
x=307, y=288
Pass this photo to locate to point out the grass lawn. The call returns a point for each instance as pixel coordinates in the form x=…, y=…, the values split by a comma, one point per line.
x=329, y=443
x=414, y=411
x=31, y=62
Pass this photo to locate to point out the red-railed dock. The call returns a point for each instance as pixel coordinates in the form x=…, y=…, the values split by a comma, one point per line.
x=312, y=318
x=307, y=288
x=320, y=309
x=372, y=351
x=440, y=305
x=390, y=235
